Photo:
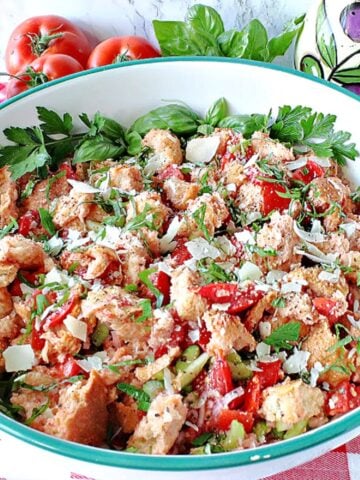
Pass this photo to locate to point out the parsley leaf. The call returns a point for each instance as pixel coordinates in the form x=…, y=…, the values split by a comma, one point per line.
x=281, y=337
x=302, y=127
x=10, y=228
x=279, y=302
x=141, y=397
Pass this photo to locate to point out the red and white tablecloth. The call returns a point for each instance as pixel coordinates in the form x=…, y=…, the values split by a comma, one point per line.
x=343, y=463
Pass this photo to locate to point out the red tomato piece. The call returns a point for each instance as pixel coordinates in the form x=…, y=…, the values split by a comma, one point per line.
x=44, y=69
x=28, y=221
x=179, y=337
x=309, y=172
x=326, y=306
x=223, y=421
x=45, y=34
x=220, y=378
x=200, y=383
x=204, y=336
x=172, y=171
x=354, y=397
x=338, y=400
x=56, y=318
x=162, y=282
x=253, y=395
x=69, y=171
x=37, y=343
x=239, y=300
x=112, y=274
x=121, y=49
x=273, y=201
x=270, y=374
x=180, y=254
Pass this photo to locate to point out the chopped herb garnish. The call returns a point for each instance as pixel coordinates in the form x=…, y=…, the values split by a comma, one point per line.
x=141, y=397
x=146, y=310
x=355, y=196
x=201, y=439
x=262, y=252
x=131, y=287
x=10, y=228
x=144, y=276
x=281, y=337
x=199, y=217
x=73, y=267
x=47, y=221
x=212, y=272
x=51, y=181
x=115, y=367
x=37, y=411
x=279, y=302
x=41, y=303
x=144, y=219
x=28, y=189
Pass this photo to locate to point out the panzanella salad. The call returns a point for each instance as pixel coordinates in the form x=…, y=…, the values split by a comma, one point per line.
x=187, y=286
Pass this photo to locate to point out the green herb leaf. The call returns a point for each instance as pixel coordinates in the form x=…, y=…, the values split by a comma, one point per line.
x=51, y=181
x=144, y=276
x=10, y=228
x=213, y=273
x=133, y=140
x=205, y=20
x=179, y=119
x=216, y=112
x=99, y=149
x=279, y=45
x=201, y=439
x=146, y=310
x=143, y=219
x=199, y=217
x=41, y=304
x=47, y=221
x=52, y=123
x=37, y=411
x=262, y=252
x=28, y=189
x=100, y=334
x=142, y=398
x=246, y=124
x=281, y=337
x=279, y=302
x=115, y=367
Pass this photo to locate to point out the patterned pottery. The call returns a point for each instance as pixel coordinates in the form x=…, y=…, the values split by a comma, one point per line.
x=329, y=45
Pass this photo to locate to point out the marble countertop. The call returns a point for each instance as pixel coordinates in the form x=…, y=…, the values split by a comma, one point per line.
x=105, y=18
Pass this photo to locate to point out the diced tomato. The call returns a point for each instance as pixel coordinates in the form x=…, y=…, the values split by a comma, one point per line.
x=162, y=282
x=179, y=337
x=239, y=300
x=160, y=351
x=200, y=383
x=309, y=172
x=69, y=171
x=250, y=152
x=28, y=221
x=69, y=368
x=338, y=400
x=326, y=306
x=270, y=374
x=224, y=419
x=56, y=318
x=253, y=395
x=15, y=289
x=204, y=336
x=180, y=254
x=271, y=199
x=37, y=343
x=229, y=153
x=354, y=397
x=220, y=378
x=112, y=274
x=172, y=171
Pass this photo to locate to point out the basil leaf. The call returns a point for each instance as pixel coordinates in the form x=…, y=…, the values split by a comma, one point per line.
x=141, y=397
x=205, y=130
x=47, y=221
x=245, y=124
x=232, y=43
x=216, y=112
x=36, y=412
x=179, y=119
x=133, y=140
x=251, y=42
x=99, y=148
x=278, y=46
x=175, y=39
x=203, y=18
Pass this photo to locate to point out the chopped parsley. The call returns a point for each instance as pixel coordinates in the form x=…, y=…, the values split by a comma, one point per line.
x=141, y=397
x=282, y=336
x=199, y=217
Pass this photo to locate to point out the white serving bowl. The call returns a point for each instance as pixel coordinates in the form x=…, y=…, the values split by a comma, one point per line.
x=125, y=92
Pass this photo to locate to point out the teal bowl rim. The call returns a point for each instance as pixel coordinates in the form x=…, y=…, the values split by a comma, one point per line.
x=112, y=458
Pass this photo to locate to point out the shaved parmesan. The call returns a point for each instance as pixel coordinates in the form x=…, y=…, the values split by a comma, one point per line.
x=252, y=217
x=332, y=277
x=54, y=245
x=297, y=362
x=76, y=327
x=231, y=187
x=224, y=244
x=245, y=237
x=264, y=329
x=274, y=276
x=19, y=357
x=109, y=236
x=315, y=373
x=295, y=286
x=200, y=248
x=93, y=362
x=202, y=150
x=262, y=350
x=248, y=271
x=316, y=255
x=354, y=323
x=82, y=187
x=323, y=162
x=75, y=240
x=312, y=237
x=153, y=165
x=166, y=242
x=350, y=228
x=168, y=381
x=194, y=335
x=298, y=163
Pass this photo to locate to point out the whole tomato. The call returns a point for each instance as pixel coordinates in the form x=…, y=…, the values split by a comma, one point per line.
x=42, y=70
x=120, y=49
x=46, y=34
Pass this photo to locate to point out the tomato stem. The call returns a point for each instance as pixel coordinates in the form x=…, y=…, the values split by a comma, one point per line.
x=39, y=43
x=122, y=57
x=5, y=74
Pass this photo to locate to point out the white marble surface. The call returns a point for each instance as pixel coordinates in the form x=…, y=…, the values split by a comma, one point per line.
x=105, y=18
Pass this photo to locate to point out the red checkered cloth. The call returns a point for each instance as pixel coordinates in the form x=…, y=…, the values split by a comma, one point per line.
x=343, y=463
